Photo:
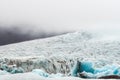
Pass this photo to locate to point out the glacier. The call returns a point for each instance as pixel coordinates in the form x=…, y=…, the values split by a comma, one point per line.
x=59, y=54
x=86, y=70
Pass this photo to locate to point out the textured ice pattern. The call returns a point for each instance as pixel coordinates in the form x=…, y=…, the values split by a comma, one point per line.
x=59, y=54
x=87, y=69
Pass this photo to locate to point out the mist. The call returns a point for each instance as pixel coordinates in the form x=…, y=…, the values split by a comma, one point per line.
x=17, y=34
x=33, y=18
x=54, y=15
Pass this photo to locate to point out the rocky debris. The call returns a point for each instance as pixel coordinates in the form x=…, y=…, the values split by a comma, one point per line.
x=110, y=77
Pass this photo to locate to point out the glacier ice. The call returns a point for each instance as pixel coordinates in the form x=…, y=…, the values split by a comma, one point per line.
x=11, y=68
x=40, y=72
x=80, y=67
x=88, y=71
x=17, y=70
x=44, y=74
x=3, y=72
x=87, y=67
x=59, y=54
x=75, y=69
x=57, y=75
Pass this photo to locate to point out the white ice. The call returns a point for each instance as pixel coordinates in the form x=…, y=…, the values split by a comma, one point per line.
x=59, y=54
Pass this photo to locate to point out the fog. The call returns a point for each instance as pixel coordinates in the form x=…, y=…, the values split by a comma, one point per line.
x=51, y=16
x=18, y=34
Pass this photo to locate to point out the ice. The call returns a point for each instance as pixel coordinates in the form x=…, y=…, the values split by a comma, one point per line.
x=40, y=72
x=107, y=70
x=2, y=72
x=45, y=74
x=17, y=70
x=86, y=68
x=32, y=76
x=58, y=75
x=80, y=67
x=11, y=68
x=74, y=71
x=23, y=76
x=59, y=54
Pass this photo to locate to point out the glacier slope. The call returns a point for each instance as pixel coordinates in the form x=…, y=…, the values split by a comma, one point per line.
x=59, y=54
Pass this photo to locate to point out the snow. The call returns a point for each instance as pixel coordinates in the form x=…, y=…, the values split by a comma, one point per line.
x=58, y=75
x=2, y=72
x=32, y=76
x=59, y=54
x=24, y=76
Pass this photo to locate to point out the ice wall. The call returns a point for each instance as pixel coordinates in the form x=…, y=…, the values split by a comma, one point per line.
x=50, y=65
x=59, y=54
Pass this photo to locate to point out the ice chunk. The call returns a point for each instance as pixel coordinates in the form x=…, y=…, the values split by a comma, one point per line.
x=40, y=72
x=87, y=67
x=5, y=67
x=17, y=70
x=75, y=69
x=107, y=70
x=81, y=67
x=11, y=68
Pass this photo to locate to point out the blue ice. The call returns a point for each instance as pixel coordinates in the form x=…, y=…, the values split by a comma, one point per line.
x=87, y=67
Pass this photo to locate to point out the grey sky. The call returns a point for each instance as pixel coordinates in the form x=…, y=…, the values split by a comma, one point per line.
x=22, y=20
x=61, y=15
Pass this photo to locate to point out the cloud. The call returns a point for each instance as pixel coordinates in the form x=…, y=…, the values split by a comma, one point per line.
x=18, y=34
x=32, y=17
x=62, y=15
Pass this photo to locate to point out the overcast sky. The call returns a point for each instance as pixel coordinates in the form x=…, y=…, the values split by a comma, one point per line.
x=61, y=15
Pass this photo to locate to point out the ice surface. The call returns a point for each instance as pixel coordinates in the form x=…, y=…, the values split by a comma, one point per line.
x=32, y=76
x=44, y=74
x=40, y=72
x=2, y=72
x=59, y=54
x=23, y=76
x=58, y=75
